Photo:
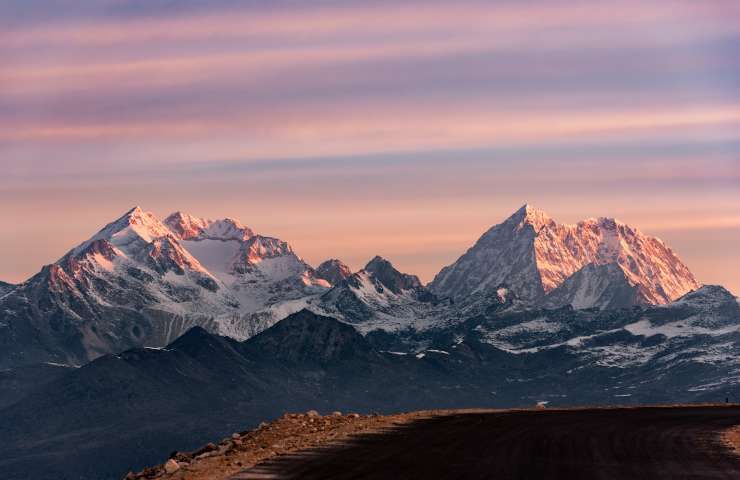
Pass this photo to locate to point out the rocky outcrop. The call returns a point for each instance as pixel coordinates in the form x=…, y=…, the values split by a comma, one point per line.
x=333, y=271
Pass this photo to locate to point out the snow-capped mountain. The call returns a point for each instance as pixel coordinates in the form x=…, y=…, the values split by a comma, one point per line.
x=140, y=281
x=535, y=255
x=188, y=227
x=379, y=296
x=376, y=297
x=509, y=324
x=256, y=270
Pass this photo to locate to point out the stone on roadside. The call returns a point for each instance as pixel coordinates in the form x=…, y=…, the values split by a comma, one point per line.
x=171, y=466
x=212, y=453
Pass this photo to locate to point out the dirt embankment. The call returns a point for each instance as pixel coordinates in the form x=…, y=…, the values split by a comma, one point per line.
x=290, y=433
x=732, y=438
x=633, y=442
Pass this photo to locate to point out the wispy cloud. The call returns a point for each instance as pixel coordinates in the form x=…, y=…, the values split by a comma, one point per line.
x=457, y=111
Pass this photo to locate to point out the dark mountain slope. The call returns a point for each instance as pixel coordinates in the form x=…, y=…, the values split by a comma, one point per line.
x=16, y=383
x=307, y=338
x=5, y=287
x=125, y=411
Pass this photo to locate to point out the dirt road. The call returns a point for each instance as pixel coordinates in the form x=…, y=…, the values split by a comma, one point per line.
x=630, y=443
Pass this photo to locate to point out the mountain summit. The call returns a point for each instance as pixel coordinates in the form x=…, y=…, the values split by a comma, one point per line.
x=535, y=255
x=333, y=271
x=189, y=227
x=140, y=281
x=386, y=274
x=378, y=296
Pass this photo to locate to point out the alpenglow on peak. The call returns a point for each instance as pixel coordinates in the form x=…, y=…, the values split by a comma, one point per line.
x=534, y=255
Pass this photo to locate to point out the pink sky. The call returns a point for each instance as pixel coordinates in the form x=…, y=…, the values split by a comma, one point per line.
x=351, y=129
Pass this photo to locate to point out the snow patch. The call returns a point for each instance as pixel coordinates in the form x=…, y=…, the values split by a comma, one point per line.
x=217, y=256
x=680, y=328
x=438, y=351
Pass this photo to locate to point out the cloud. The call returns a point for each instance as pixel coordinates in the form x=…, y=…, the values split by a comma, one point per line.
x=335, y=113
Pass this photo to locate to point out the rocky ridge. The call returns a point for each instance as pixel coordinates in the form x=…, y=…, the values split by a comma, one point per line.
x=290, y=433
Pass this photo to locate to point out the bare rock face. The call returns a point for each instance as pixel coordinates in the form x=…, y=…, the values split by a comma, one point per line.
x=391, y=278
x=535, y=255
x=305, y=337
x=333, y=271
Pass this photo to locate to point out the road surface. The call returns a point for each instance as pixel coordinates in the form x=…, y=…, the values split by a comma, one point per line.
x=629, y=443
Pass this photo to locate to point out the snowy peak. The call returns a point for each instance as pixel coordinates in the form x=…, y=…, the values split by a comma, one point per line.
x=257, y=249
x=139, y=281
x=379, y=296
x=136, y=221
x=529, y=215
x=333, y=271
x=227, y=248
x=646, y=261
x=130, y=258
x=137, y=237
x=189, y=227
x=167, y=255
x=134, y=229
x=256, y=270
x=185, y=226
x=535, y=255
x=391, y=278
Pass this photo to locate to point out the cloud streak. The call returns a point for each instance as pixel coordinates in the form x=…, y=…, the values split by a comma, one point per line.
x=335, y=113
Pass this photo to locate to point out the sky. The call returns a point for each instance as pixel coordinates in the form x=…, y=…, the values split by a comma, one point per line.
x=351, y=129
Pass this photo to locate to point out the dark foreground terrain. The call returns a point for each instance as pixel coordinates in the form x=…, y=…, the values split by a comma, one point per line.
x=124, y=412
x=628, y=443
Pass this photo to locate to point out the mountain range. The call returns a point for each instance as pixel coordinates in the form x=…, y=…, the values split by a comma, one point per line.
x=155, y=335
x=140, y=281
